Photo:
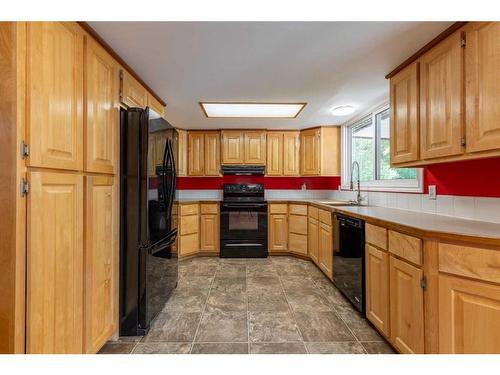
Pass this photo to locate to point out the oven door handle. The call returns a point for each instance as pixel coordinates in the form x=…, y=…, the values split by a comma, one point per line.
x=253, y=205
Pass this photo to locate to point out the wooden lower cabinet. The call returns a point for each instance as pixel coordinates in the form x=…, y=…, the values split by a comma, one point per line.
x=325, y=253
x=297, y=229
x=406, y=307
x=101, y=256
x=209, y=227
x=469, y=316
x=54, y=300
x=189, y=229
x=313, y=237
x=278, y=232
x=377, y=288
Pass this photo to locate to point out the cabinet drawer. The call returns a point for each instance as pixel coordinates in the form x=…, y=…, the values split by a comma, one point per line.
x=406, y=247
x=325, y=217
x=376, y=235
x=189, y=224
x=278, y=208
x=313, y=212
x=209, y=208
x=298, y=209
x=297, y=243
x=477, y=263
x=298, y=224
x=189, y=209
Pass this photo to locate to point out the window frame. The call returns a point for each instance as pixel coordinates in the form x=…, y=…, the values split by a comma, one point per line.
x=399, y=185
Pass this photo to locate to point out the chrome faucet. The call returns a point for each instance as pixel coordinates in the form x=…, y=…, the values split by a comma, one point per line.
x=358, y=200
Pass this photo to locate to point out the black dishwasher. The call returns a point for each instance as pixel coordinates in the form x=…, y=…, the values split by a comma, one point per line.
x=349, y=260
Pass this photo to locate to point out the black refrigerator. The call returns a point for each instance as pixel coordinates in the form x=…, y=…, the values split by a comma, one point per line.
x=148, y=267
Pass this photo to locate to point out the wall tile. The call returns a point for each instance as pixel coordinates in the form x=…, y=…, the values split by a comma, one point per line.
x=487, y=209
x=428, y=205
x=444, y=205
x=414, y=202
x=463, y=207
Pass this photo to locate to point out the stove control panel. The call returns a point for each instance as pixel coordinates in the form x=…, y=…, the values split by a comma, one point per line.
x=243, y=188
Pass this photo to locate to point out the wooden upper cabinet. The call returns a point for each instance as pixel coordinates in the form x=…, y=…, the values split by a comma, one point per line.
x=310, y=152
x=406, y=307
x=212, y=153
x=55, y=95
x=133, y=94
x=377, y=288
x=182, y=150
x=232, y=147
x=196, y=154
x=155, y=105
x=54, y=300
x=101, y=255
x=274, y=166
x=102, y=121
x=482, y=86
x=255, y=147
x=441, y=77
x=469, y=316
x=291, y=157
x=404, y=115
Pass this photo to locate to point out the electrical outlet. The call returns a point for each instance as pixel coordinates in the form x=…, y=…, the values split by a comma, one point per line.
x=432, y=191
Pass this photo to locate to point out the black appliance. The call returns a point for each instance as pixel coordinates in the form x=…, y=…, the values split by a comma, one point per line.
x=244, y=170
x=243, y=223
x=349, y=260
x=148, y=268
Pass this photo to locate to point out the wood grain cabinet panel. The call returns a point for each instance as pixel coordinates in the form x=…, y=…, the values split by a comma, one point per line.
x=255, y=147
x=406, y=307
x=310, y=152
x=54, y=301
x=212, y=154
x=313, y=239
x=133, y=94
x=182, y=151
x=102, y=120
x=101, y=255
x=291, y=153
x=482, y=86
x=325, y=253
x=377, y=288
x=232, y=146
x=406, y=247
x=55, y=95
x=196, y=154
x=209, y=227
x=376, y=235
x=155, y=105
x=274, y=166
x=469, y=316
x=441, y=77
x=189, y=229
x=278, y=232
x=404, y=115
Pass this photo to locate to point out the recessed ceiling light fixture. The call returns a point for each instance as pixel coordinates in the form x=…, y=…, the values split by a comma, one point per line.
x=343, y=110
x=252, y=110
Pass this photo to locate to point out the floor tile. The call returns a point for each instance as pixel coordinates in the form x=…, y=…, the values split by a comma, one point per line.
x=322, y=326
x=269, y=301
x=117, y=348
x=198, y=270
x=278, y=348
x=220, y=348
x=231, y=270
x=230, y=284
x=194, y=282
x=291, y=270
x=345, y=347
x=261, y=270
x=264, y=284
x=187, y=301
x=307, y=299
x=162, y=348
x=267, y=326
x=226, y=301
x=293, y=283
x=378, y=348
x=220, y=326
x=360, y=326
x=173, y=326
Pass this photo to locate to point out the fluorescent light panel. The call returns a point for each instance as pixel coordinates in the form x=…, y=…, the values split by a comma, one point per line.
x=252, y=110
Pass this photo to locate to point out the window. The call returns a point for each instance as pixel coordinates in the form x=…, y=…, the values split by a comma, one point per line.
x=367, y=141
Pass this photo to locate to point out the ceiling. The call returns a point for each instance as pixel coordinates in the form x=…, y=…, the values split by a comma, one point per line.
x=325, y=64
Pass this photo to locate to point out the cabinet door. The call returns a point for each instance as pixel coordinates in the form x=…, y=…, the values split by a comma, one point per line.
x=101, y=255
x=310, y=152
x=278, y=232
x=255, y=147
x=182, y=145
x=377, y=288
x=274, y=165
x=441, y=77
x=291, y=149
x=209, y=232
x=312, y=236
x=469, y=316
x=196, y=154
x=407, y=307
x=482, y=86
x=212, y=154
x=133, y=94
x=325, y=256
x=159, y=148
x=232, y=147
x=404, y=115
x=54, y=301
x=102, y=125
x=55, y=95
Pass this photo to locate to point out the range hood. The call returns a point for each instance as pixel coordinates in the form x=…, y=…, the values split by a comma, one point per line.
x=243, y=170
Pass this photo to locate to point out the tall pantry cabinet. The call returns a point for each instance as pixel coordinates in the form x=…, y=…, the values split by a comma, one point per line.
x=71, y=153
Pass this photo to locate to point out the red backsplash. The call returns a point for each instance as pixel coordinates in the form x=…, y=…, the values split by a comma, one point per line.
x=281, y=183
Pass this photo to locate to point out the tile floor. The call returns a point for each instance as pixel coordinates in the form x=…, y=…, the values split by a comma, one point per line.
x=274, y=305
